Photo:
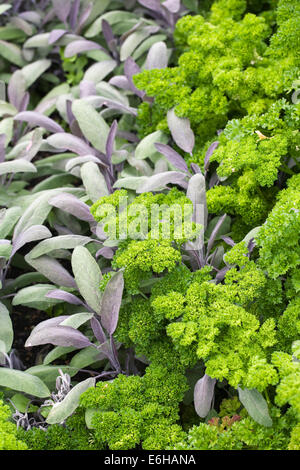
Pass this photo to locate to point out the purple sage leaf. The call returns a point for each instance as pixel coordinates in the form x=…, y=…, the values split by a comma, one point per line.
x=69, y=203
x=111, y=302
x=59, y=336
x=106, y=252
x=65, y=296
x=110, y=140
x=81, y=45
x=209, y=153
x=181, y=131
x=67, y=141
x=36, y=119
x=172, y=156
x=203, y=395
x=56, y=34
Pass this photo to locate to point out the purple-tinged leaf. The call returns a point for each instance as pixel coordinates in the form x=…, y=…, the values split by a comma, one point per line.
x=214, y=180
x=81, y=45
x=34, y=145
x=84, y=17
x=221, y=274
x=195, y=168
x=88, y=276
x=70, y=116
x=52, y=270
x=98, y=71
x=120, y=81
x=203, y=395
x=69, y=203
x=24, y=102
x=107, y=32
x=209, y=153
x=161, y=180
x=2, y=147
x=59, y=336
x=31, y=16
x=154, y=5
x=67, y=141
x=111, y=302
x=110, y=140
x=16, y=89
x=214, y=233
x=130, y=69
x=130, y=136
x=74, y=14
x=62, y=9
x=36, y=119
x=251, y=245
x=98, y=330
x=157, y=57
x=116, y=105
x=172, y=156
x=172, y=5
x=56, y=34
x=34, y=233
x=181, y=131
x=65, y=296
x=87, y=88
x=228, y=240
x=106, y=252
x=54, y=321
x=21, y=24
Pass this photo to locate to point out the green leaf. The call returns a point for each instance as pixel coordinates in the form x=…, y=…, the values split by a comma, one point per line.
x=6, y=127
x=256, y=406
x=34, y=296
x=22, y=403
x=112, y=17
x=77, y=319
x=61, y=411
x=65, y=242
x=49, y=373
x=10, y=218
x=33, y=71
x=86, y=357
x=6, y=328
x=23, y=382
x=92, y=125
x=93, y=181
x=17, y=166
x=57, y=352
x=11, y=52
x=87, y=276
x=89, y=414
x=4, y=8
x=146, y=149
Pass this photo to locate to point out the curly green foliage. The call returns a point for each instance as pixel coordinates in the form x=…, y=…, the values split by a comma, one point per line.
x=250, y=161
x=278, y=238
x=137, y=219
x=220, y=72
x=156, y=248
x=74, y=435
x=288, y=390
x=289, y=324
x=142, y=258
x=9, y=440
x=220, y=325
x=238, y=434
x=133, y=410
